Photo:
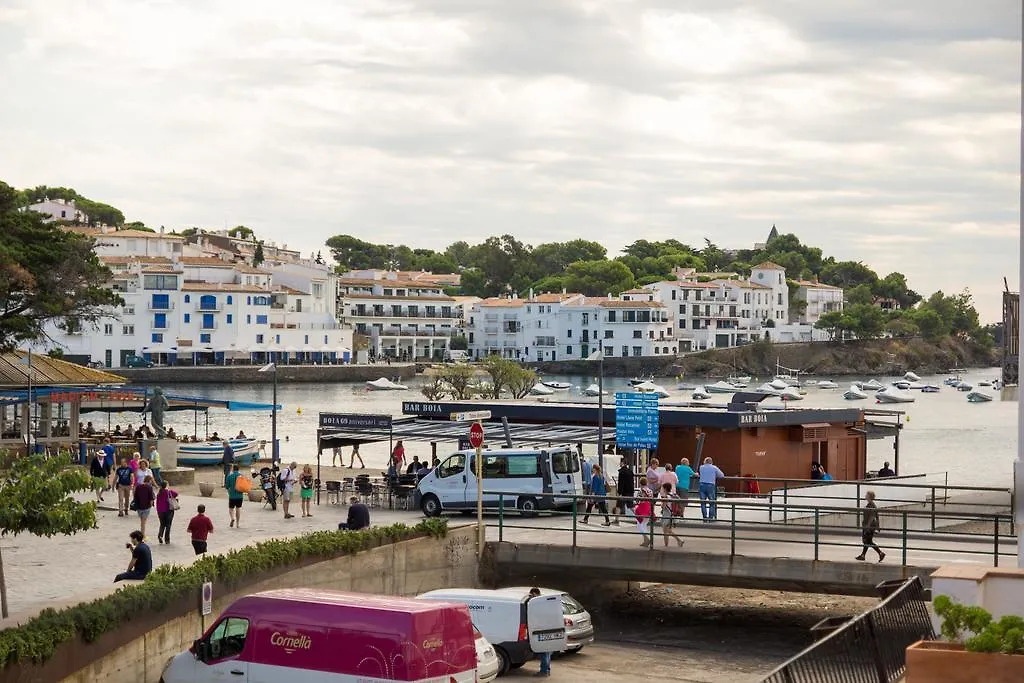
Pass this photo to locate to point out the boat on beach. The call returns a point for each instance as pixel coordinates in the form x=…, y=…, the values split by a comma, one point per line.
x=721, y=388
x=211, y=452
x=652, y=388
x=871, y=385
x=911, y=377
x=556, y=386
x=854, y=393
x=641, y=380
x=930, y=389
x=827, y=384
x=700, y=394
x=978, y=397
x=767, y=388
x=892, y=394
x=385, y=384
x=541, y=390
x=594, y=390
x=790, y=394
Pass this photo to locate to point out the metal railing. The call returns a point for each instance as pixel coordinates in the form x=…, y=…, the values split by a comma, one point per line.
x=869, y=648
x=742, y=522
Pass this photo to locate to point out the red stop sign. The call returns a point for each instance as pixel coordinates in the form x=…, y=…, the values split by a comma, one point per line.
x=476, y=435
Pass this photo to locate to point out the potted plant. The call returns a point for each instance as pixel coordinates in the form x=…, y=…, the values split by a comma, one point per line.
x=206, y=489
x=977, y=648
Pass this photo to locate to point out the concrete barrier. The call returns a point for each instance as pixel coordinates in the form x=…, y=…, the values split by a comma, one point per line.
x=140, y=650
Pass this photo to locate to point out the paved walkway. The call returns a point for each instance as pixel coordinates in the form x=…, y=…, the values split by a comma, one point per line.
x=65, y=570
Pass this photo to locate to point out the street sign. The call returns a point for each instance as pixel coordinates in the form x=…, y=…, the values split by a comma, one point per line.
x=476, y=434
x=636, y=419
x=354, y=421
x=206, y=604
x=471, y=415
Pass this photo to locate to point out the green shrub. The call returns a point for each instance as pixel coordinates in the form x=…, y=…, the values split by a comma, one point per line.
x=986, y=635
x=38, y=639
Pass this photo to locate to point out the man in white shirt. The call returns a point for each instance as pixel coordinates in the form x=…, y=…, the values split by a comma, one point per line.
x=289, y=478
x=709, y=476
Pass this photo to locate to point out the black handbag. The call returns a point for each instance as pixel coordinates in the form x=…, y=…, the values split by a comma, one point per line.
x=133, y=505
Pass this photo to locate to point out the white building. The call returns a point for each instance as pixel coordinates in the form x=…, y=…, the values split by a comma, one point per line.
x=570, y=326
x=820, y=299
x=59, y=210
x=198, y=309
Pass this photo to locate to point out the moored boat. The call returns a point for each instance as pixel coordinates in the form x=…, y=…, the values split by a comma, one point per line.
x=541, y=390
x=790, y=394
x=385, y=384
x=854, y=393
x=767, y=388
x=641, y=380
x=557, y=386
x=211, y=452
x=594, y=390
x=720, y=388
x=778, y=384
x=892, y=394
x=911, y=377
x=871, y=385
x=978, y=397
x=700, y=394
x=652, y=388
x=964, y=386
x=930, y=389
x=827, y=384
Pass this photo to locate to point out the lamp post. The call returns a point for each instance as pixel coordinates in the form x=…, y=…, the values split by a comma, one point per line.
x=274, y=455
x=28, y=406
x=599, y=357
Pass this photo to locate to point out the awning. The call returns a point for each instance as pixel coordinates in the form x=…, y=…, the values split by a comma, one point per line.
x=426, y=429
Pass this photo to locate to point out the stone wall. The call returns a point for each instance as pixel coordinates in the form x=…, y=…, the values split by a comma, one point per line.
x=246, y=374
x=406, y=568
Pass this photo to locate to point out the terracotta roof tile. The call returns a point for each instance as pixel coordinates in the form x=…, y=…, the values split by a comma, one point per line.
x=497, y=302
x=617, y=303
x=221, y=287
x=768, y=265
x=210, y=261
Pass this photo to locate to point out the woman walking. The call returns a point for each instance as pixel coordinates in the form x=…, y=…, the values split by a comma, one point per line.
x=143, y=502
x=869, y=527
x=352, y=458
x=668, y=501
x=598, y=490
x=306, y=489
x=165, y=505
x=144, y=472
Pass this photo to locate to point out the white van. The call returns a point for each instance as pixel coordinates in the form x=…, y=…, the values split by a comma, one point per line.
x=516, y=625
x=537, y=479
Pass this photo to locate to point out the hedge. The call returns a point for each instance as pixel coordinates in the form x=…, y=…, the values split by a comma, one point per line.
x=38, y=639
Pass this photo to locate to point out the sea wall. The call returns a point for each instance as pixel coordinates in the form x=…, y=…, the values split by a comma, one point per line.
x=139, y=656
x=246, y=374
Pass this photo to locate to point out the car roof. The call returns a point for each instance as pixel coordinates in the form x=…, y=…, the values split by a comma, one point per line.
x=525, y=590
x=459, y=594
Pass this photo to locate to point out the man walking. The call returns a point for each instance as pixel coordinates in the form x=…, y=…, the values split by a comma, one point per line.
x=227, y=459
x=869, y=527
x=288, y=478
x=625, y=488
x=199, y=528
x=709, y=476
x=544, y=657
x=587, y=470
x=235, y=497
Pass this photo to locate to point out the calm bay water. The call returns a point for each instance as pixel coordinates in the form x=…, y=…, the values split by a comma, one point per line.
x=974, y=443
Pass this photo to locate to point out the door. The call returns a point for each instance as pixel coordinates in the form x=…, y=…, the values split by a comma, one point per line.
x=223, y=647
x=563, y=468
x=545, y=623
x=452, y=481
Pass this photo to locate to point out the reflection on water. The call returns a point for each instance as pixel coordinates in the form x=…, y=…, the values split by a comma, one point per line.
x=974, y=442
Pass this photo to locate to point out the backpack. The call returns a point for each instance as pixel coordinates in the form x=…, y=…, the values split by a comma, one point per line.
x=677, y=505
x=281, y=482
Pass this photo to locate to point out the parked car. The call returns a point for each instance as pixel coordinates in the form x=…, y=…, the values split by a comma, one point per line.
x=137, y=362
x=579, y=627
x=487, y=664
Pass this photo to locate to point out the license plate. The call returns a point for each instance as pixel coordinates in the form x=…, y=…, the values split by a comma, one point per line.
x=550, y=636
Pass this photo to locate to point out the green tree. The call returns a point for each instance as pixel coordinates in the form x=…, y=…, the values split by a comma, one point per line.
x=474, y=283
x=458, y=379
x=257, y=255
x=46, y=274
x=458, y=343
x=861, y=294
x=833, y=323
x=436, y=263
x=36, y=497
x=460, y=253
x=847, y=274
x=137, y=225
x=865, y=321
x=242, y=232
x=930, y=323
x=597, y=278
x=352, y=253
x=902, y=326
x=894, y=286
x=715, y=260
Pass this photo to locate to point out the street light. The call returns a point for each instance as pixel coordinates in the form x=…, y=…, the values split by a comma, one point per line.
x=599, y=356
x=274, y=455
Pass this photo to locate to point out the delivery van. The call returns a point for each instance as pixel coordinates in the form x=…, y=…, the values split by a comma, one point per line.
x=302, y=636
x=516, y=626
x=530, y=478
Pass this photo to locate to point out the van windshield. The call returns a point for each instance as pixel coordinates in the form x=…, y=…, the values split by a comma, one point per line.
x=456, y=464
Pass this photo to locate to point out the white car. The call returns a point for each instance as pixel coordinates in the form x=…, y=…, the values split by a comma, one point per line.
x=487, y=664
x=579, y=628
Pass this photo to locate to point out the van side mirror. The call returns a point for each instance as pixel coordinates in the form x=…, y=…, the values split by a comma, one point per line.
x=201, y=649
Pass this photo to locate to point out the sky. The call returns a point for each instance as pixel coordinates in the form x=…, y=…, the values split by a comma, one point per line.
x=884, y=132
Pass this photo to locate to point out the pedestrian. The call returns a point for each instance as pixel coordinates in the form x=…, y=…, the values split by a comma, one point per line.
x=99, y=471
x=336, y=455
x=653, y=474
x=414, y=466
x=669, y=476
x=166, y=504
x=154, y=463
x=587, y=471
x=358, y=516
x=625, y=489
x=645, y=488
x=134, y=462
x=199, y=528
x=709, y=476
x=142, y=559
x=142, y=499
x=886, y=471
x=108, y=454
x=235, y=497
x=227, y=458
x=544, y=657
x=288, y=478
x=669, y=509
x=684, y=476
x=352, y=458
x=398, y=456
x=306, y=490
x=869, y=527
x=125, y=481
x=644, y=512
x=143, y=471
x=816, y=471
x=598, y=490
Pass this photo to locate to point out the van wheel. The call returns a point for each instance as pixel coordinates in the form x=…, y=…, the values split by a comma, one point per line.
x=431, y=506
x=527, y=507
x=504, y=663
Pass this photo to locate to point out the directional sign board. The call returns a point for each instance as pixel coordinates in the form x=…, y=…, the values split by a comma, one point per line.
x=636, y=419
x=471, y=415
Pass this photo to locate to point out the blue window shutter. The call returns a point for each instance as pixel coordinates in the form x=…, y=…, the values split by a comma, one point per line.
x=229, y=299
x=188, y=298
x=248, y=320
x=229, y=318
x=188, y=318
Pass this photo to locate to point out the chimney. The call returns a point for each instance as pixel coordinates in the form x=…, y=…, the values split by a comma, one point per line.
x=531, y=292
x=563, y=290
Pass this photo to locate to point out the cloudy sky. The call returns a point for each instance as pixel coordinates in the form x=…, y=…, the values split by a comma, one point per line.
x=883, y=131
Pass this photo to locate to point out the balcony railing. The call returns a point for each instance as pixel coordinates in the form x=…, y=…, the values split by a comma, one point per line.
x=161, y=305
x=210, y=307
x=355, y=313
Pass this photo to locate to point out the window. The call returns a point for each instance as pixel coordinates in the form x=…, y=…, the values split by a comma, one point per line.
x=682, y=323
x=261, y=320
x=277, y=339
x=609, y=334
x=248, y=301
x=638, y=334
x=128, y=330
x=248, y=320
x=625, y=351
x=188, y=318
x=637, y=351
x=673, y=295
x=208, y=302
x=655, y=350
x=230, y=300
x=160, y=321
x=306, y=339
x=259, y=338
x=108, y=329
x=451, y=467
x=502, y=466
x=568, y=350
x=204, y=338
x=568, y=334
x=229, y=319
x=208, y=321
x=611, y=316
x=318, y=290
x=157, y=338
x=160, y=282
x=188, y=298
x=228, y=638
x=609, y=351
x=564, y=462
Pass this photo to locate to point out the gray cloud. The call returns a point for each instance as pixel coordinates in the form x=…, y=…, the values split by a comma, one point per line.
x=888, y=134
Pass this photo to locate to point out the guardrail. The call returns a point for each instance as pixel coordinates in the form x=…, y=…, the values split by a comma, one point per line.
x=869, y=648
x=743, y=521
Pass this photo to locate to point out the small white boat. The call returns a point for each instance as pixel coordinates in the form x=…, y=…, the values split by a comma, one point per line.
x=700, y=394
x=930, y=389
x=652, y=388
x=891, y=394
x=871, y=385
x=541, y=390
x=911, y=377
x=738, y=385
x=767, y=388
x=211, y=452
x=854, y=393
x=557, y=386
x=964, y=386
x=744, y=379
x=384, y=384
x=978, y=397
x=720, y=388
x=827, y=384
x=790, y=394
x=901, y=384
x=641, y=380
x=685, y=387
x=778, y=384
x=594, y=390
